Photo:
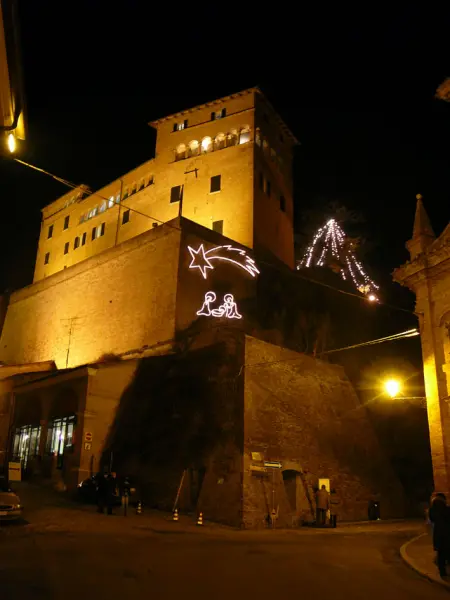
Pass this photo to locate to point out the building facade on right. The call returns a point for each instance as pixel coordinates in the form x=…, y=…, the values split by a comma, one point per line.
x=427, y=274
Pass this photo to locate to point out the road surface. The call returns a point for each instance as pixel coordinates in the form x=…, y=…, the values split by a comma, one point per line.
x=67, y=553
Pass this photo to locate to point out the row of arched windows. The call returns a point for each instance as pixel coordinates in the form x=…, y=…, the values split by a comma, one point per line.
x=268, y=151
x=115, y=199
x=209, y=144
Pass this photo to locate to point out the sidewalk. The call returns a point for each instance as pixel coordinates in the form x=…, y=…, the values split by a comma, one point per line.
x=418, y=553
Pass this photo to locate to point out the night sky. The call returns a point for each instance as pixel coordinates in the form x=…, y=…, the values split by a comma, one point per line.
x=357, y=91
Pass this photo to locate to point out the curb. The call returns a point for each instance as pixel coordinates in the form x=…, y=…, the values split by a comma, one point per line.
x=411, y=563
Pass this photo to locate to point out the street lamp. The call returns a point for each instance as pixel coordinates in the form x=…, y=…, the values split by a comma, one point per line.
x=392, y=387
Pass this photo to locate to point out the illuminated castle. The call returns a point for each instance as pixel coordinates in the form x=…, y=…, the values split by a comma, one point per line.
x=142, y=315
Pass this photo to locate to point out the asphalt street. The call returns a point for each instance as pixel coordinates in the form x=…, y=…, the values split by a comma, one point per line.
x=67, y=553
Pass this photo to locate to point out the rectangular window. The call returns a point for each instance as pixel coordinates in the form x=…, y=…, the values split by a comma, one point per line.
x=218, y=226
x=50, y=232
x=102, y=229
x=283, y=203
x=93, y=234
x=66, y=248
x=268, y=188
x=66, y=222
x=47, y=258
x=180, y=126
x=261, y=181
x=215, y=183
x=111, y=202
x=218, y=114
x=176, y=193
x=76, y=243
x=83, y=239
x=125, y=217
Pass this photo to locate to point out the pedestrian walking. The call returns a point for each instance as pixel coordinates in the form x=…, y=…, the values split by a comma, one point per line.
x=102, y=492
x=440, y=517
x=322, y=505
x=111, y=482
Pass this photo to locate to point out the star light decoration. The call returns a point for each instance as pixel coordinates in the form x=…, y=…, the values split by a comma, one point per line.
x=201, y=260
x=330, y=242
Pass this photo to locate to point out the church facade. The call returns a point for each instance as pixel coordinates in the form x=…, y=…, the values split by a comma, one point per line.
x=157, y=318
x=427, y=274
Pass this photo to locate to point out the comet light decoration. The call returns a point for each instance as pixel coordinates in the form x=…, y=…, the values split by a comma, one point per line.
x=202, y=260
x=328, y=245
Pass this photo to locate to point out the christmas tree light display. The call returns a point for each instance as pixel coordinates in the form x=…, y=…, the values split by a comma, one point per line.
x=331, y=247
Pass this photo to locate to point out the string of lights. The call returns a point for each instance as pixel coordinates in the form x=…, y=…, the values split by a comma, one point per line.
x=370, y=296
x=334, y=246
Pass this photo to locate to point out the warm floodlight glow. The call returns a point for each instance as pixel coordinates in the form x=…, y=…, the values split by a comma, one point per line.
x=392, y=387
x=11, y=143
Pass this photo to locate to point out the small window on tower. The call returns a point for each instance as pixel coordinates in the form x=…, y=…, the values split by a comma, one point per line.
x=93, y=234
x=111, y=202
x=76, y=243
x=50, y=232
x=66, y=222
x=176, y=193
x=83, y=239
x=47, y=258
x=215, y=183
x=218, y=226
x=283, y=203
x=102, y=229
x=125, y=217
x=66, y=248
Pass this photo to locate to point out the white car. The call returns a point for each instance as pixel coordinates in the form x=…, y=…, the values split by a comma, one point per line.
x=10, y=507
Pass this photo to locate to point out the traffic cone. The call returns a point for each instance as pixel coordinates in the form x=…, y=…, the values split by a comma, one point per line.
x=200, y=519
x=139, y=508
x=175, y=514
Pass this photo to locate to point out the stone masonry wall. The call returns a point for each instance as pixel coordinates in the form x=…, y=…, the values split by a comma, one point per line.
x=117, y=301
x=304, y=413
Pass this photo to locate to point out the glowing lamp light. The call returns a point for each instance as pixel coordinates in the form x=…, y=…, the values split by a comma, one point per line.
x=392, y=387
x=11, y=143
x=372, y=298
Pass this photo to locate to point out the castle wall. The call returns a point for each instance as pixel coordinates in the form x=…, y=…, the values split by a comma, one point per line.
x=114, y=302
x=304, y=413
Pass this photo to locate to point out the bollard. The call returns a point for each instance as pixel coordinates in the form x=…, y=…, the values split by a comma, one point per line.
x=200, y=519
x=175, y=514
x=139, y=508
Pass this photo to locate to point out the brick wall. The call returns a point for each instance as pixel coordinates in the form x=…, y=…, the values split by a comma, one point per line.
x=305, y=413
x=117, y=301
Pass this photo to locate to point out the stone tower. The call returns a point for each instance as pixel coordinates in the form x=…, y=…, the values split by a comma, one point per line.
x=427, y=274
x=226, y=165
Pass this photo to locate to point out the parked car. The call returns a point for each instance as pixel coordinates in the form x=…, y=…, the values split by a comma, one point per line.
x=10, y=506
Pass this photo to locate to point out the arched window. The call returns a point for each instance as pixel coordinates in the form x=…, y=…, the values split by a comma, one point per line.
x=180, y=152
x=150, y=180
x=133, y=189
x=125, y=194
x=207, y=144
x=220, y=141
x=141, y=185
x=245, y=135
x=111, y=202
x=194, y=148
x=102, y=207
x=232, y=138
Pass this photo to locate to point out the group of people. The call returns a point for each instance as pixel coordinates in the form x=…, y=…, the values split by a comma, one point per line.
x=439, y=516
x=107, y=491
